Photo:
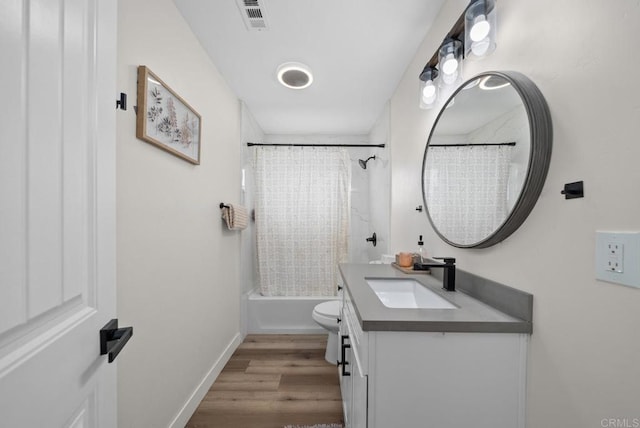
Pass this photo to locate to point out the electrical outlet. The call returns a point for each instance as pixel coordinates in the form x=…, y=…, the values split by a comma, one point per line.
x=615, y=257
x=618, y=257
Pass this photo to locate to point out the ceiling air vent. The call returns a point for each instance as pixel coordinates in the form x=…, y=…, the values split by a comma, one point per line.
x=253, y=14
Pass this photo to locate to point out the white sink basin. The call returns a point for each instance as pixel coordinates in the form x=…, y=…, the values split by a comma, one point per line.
x=406, y=293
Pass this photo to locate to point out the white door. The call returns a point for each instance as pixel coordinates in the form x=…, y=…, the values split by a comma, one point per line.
x=57, y=212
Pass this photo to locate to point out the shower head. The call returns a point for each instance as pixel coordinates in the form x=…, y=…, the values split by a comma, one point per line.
x=363, y=163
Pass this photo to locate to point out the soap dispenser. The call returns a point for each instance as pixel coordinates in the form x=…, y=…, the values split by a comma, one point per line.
x=420, y=254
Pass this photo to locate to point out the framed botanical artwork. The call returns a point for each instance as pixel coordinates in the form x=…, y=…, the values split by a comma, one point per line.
x=165, y=119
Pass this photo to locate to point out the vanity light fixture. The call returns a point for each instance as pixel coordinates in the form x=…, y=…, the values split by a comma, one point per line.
x=294, y=75
x=480, y=28
x=450, y=61
x=472, y=36
x=428, y=87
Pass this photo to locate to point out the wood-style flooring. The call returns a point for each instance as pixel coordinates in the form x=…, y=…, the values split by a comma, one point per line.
x=272, y=381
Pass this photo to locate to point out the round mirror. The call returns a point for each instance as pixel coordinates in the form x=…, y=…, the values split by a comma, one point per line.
x=486, y=159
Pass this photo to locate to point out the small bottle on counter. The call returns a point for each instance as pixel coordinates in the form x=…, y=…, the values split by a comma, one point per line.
x=420, y=255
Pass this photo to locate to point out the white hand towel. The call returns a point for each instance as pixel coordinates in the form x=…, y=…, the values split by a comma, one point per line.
x=235, y=216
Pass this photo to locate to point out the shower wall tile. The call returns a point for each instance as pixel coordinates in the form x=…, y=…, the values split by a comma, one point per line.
x=249, y=131
x=379, y=175
x=360, y=218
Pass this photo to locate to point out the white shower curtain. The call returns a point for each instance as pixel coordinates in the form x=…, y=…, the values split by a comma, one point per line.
x=466, y=190
x=302, y=218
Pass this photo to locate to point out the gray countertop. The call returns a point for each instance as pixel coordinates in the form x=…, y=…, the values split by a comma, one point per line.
x=471, y=314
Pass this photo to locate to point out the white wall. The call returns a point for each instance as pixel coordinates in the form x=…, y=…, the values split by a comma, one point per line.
x=178, y=270
x=583, y=359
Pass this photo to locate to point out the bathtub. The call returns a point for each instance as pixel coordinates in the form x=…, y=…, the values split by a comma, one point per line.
x=280, y=314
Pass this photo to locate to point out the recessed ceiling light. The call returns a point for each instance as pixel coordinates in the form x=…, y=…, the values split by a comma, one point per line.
x=471, y=84
x=489, y=83
x=295, y=75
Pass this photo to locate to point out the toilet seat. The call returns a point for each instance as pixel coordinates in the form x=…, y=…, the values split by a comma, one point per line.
x=326, y=314
x=329, y=309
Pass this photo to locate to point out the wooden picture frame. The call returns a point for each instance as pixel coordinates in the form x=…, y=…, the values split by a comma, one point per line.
x=165, y=119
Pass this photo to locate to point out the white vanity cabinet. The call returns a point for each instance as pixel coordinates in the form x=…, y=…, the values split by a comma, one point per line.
x=353, y=378
x=405, y=379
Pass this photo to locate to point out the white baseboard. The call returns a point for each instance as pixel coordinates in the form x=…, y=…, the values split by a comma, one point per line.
x=198, y=394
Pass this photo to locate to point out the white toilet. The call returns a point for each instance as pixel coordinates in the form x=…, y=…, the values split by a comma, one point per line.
x=326, y=314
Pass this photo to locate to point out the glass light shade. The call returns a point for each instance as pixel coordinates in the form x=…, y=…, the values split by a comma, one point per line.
x=449, y=64
x=428, y=93
x=450, y=61
x=480, y=28
x=429, y=90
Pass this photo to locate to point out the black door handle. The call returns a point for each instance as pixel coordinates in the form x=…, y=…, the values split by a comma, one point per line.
x=113, y=339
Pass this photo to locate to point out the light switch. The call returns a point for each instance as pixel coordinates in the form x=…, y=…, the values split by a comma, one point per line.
x=618, y=257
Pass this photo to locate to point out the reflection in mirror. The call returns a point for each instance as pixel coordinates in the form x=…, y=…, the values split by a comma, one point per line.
x=478, y=160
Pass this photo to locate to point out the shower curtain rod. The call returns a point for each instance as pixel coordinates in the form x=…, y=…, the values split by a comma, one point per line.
x=316, y=145
x=473, y=144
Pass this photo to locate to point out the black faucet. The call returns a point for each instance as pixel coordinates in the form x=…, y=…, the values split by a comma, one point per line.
x=449, y=273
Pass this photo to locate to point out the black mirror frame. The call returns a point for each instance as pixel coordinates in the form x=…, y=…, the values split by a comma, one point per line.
x=541, y=135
